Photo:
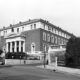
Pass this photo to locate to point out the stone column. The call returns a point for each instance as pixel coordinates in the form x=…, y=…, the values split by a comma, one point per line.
x=19, y=46
x=15, y=47
x=10, y=46
x=23, y=46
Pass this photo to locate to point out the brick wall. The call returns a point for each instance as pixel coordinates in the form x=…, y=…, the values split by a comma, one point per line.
x=2, y=42
x=32, y=36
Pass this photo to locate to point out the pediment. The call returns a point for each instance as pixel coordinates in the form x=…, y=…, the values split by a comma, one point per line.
x=11, y=35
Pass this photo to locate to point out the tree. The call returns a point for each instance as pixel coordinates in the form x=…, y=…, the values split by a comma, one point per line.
x=1, y=51
x=72, y=56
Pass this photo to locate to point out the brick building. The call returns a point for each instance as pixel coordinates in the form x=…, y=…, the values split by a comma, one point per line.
x=32, y=36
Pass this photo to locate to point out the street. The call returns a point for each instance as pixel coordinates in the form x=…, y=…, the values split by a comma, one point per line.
x=29, y=72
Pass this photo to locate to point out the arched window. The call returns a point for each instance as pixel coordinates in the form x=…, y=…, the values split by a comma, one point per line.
x=33, y=47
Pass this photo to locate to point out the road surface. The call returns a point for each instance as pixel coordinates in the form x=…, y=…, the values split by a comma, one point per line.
x=29, y=72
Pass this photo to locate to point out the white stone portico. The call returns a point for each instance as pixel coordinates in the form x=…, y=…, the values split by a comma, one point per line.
x=15, y=43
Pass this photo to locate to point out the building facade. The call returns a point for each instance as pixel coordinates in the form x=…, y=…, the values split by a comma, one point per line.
x=32, y=36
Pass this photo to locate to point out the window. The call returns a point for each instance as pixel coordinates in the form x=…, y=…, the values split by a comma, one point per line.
x=52, y=39
x=64, y=41
x=56, y=31
x=55, y=40
x=44, y=36
x=33, y=47
x=61, y=41
x=17, y=29
x=31, y=26
x=46, y=27
x=58, y=40
x=43, y=26
x=48, y=37
x=4, y=32
x=53, y=30
x=49, y=28
x=12, y=30
x=63, y=34
x=22, y=28
x=34, y=26
x=60, y=33
x=44, y=47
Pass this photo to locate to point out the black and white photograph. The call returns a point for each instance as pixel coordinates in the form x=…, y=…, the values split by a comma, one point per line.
x=39, y=39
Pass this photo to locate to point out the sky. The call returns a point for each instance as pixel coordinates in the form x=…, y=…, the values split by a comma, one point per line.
x=62, y=13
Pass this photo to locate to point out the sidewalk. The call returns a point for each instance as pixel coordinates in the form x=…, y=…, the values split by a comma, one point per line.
x=62, y=69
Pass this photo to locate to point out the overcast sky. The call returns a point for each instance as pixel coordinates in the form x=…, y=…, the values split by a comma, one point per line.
x=62, y=13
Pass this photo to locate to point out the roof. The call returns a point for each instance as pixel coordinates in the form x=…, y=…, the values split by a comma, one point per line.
x=33, y=21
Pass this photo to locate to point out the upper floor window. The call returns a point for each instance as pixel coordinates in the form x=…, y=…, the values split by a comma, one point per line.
x=53, y=30
x=52, y=39
x=22, y=28
x=63, y=34
x=59, y=40
x=43, y=26
x=34, y=26
x=56, y=31
x=46, y=27
x=44, y=36
x=17, y=29
x=56, y=40
x=60, y=33
x=48, y=37
x=49, y=28
x=44, y=47
x=12, y=30
x=31, y=26
x=4, y=32
x=62, y=41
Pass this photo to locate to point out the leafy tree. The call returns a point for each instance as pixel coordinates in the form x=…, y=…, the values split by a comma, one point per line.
x=72, y=56
x=1, y=51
